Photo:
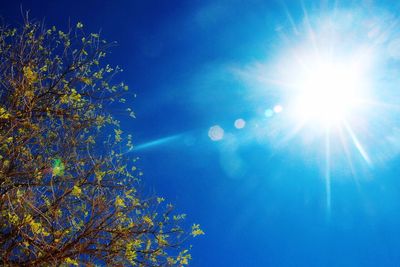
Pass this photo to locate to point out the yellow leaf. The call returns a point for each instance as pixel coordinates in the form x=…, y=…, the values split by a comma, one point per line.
x=119, y=202
x=196, y=230
x=30, y=75
x=161, y=239
x=4, y=114
x=27, y=218
x=76, y=191
x=148, y=220
x=36, y=227
x=148, y=244
x=6, y=163
x=99, y=175
x=86, y=80
x=13, y=218
x=68, y=260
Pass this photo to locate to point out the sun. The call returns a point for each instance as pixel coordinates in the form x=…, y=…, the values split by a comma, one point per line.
x=335, y=77
x=328, y=92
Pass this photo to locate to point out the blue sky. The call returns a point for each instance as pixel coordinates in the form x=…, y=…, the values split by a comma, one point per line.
x=275, y=192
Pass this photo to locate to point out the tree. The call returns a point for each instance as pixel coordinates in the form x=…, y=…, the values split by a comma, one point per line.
x=68, y=193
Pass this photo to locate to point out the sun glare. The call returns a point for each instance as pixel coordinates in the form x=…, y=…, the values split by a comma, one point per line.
x=334, y=81
x=328, y=79
x=328, y=92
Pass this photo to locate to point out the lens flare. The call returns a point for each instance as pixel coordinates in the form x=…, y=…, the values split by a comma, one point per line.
x=216, y=133
x=240, y=123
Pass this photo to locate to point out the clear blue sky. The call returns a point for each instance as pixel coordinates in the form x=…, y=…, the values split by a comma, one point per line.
x=270, y=193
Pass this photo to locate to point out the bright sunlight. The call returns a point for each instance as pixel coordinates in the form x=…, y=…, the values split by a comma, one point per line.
x=328, y=91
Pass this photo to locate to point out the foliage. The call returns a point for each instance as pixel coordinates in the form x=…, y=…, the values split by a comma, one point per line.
x=68, y=193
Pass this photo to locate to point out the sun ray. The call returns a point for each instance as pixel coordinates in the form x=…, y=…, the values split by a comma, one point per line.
x=310, y=30
x=345, y=146
x=157, y=142
x=295, y=130
x=382, y=105
x=357, y=143
x=289, y=17
x=328, y=171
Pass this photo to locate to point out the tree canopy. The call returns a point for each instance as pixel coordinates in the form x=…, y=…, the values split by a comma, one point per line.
x=69, y=194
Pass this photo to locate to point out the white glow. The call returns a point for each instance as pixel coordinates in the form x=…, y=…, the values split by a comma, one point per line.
x=328, y=92
x=278, y=109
